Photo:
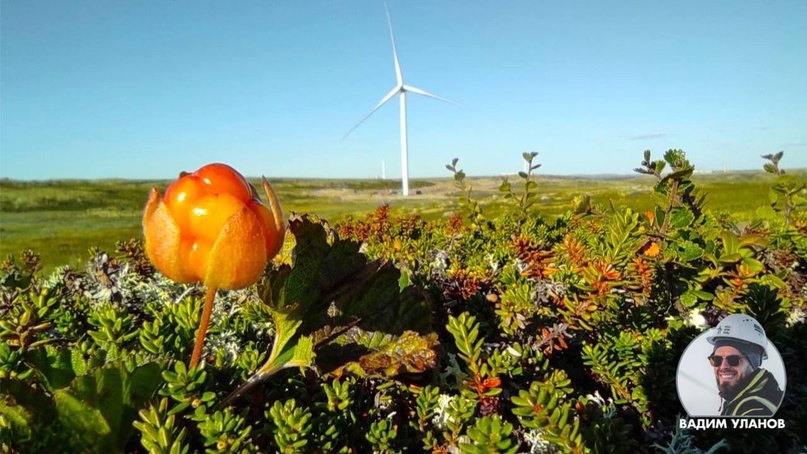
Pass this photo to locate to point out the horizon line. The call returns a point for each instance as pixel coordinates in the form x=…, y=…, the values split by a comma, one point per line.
x=278, y=178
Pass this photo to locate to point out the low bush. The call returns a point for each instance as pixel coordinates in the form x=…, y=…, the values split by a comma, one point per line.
x=387, y=333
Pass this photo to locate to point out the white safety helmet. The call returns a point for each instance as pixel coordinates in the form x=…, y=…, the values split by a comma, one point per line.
x=743, y=328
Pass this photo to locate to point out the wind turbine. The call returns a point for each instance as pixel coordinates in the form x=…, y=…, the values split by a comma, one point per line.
x=400, y=89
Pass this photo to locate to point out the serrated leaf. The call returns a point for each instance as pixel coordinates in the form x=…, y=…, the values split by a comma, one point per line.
x=690, y=252
x=409, y=353
x=55, y=366
x=689, y=299
x=101, y=407
x=303, y=352
x=681, y=218
x=92, y=431
x=20, y=399
x=329, y=294
x=18, y=418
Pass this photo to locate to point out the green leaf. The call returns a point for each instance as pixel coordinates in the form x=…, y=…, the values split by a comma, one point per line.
x=690, y=252
x=754, y=265
x=705, y=296
x=689, y=299
x=92, y=431
x=55, y=366
x=753, y=240
x=774, y=280
x=770, y=168
x=681, y=218
x=100, y=408
x=330, y=297
x=731, y=243
x=26, y=409
x=403, y=281
x=409, y=353
x=303, y=352
x=679, y=174
x=21, y=398
x=730, y=258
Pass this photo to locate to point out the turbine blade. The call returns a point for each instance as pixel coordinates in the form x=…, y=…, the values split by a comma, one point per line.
x=426, y=93
x=386, y=98
x=398, y=73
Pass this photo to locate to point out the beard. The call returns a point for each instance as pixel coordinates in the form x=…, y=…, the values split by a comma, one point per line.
x=729, y=390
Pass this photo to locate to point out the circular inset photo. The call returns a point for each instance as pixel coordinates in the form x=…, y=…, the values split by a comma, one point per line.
x=731, y=370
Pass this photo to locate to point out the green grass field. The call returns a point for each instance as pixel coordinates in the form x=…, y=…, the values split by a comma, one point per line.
x=61, y=220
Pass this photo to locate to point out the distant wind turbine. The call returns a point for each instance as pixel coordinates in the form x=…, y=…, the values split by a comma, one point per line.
x=400, y=89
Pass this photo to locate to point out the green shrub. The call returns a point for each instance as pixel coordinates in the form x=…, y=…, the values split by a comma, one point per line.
x=389, y=334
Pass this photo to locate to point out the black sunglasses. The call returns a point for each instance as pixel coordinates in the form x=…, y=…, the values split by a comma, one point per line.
x=734, y=360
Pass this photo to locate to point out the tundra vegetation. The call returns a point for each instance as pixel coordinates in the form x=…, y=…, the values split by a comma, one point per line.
x=509, y=325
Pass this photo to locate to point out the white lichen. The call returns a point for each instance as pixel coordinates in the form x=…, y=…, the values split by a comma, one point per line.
x=441, y=413
x=797, y=315
x=696, y=319
x=537, y=443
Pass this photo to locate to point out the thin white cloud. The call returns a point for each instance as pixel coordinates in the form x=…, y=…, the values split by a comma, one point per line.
x=649, y=136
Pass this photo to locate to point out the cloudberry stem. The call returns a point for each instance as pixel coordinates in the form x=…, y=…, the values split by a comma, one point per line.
x=200, y=336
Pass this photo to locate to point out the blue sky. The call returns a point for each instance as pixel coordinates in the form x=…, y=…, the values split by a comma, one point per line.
x=145, y=89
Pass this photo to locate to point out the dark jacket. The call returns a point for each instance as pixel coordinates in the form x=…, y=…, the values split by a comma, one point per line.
x=761, y=396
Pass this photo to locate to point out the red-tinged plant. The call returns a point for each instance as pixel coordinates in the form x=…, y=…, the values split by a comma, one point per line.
x=539, y=261
x=211, y=227
x=601, y=276
x=574, y=251
x=454, y=224
x=645, y=272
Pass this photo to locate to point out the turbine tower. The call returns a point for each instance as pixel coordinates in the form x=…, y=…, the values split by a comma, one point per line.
x=401, y=90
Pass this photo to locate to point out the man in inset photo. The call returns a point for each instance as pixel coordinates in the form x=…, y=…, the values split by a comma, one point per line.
x=745, y=388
